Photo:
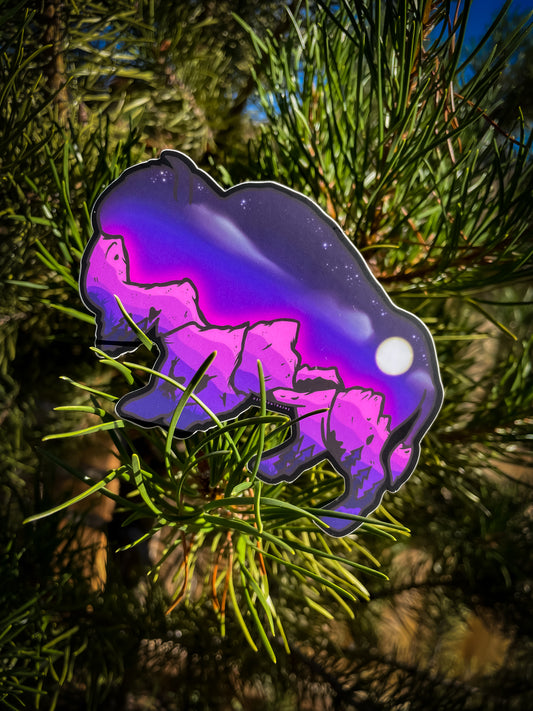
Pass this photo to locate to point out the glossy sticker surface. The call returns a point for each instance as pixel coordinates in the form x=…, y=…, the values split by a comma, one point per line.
x=260, y=272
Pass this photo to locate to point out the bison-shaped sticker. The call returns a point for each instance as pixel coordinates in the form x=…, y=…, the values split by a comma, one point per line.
x=260, y=272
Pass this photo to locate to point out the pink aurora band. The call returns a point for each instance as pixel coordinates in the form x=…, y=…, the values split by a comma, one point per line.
x=259, y=272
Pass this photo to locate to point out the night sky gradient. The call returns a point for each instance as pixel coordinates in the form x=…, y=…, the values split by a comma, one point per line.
x=263, y=252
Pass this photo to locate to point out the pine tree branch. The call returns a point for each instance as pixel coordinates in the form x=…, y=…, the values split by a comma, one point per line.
x=242, y=97
x=490, y=121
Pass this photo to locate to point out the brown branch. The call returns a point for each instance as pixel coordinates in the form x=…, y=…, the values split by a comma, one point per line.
x=185, y=566
x=54, y=70
x=489, y=120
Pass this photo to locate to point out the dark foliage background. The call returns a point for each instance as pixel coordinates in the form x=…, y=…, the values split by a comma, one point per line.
x=420, y=148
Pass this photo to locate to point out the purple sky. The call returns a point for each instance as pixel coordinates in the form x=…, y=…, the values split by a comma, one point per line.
x=254, y=253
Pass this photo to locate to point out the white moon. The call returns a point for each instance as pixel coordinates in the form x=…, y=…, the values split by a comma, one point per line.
x=394, y=356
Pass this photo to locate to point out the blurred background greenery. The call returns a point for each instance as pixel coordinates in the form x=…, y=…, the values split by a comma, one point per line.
x=419, y=144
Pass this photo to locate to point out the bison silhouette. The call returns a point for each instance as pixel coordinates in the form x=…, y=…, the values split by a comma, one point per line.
x=260, y=272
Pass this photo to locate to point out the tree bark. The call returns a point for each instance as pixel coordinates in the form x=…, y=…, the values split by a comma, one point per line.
x=54, y=70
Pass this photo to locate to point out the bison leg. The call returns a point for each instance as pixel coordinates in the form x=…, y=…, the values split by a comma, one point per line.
x=364, y=487
x=357, y=433
x=182, y=353
x=306, y=447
